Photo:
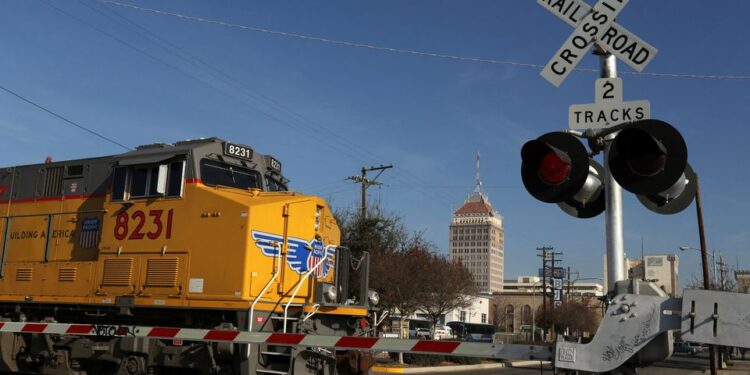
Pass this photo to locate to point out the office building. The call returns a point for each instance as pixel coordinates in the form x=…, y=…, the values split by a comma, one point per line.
x=477, y=239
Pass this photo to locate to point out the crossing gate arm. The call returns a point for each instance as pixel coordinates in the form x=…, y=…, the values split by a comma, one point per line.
x=439, y=347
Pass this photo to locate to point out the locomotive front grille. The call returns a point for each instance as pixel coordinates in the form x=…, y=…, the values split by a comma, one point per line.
x=67, y=274
x=24, y=274
x=162, y=272
x=118, y=272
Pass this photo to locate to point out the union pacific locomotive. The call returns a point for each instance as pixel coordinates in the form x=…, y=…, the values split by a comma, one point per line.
x=196, y=234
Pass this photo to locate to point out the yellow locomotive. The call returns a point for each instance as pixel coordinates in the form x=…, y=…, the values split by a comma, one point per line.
x=199, y=234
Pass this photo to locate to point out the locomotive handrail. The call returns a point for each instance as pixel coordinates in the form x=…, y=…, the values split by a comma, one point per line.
x=298, y=286
x=265, y=288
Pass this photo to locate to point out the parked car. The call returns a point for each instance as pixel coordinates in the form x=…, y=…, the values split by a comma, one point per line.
x=441, y=333
x=699, y=347
x=422, y=333
x=685, y=348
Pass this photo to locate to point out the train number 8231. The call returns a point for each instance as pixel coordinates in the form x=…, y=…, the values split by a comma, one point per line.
x=134, y=230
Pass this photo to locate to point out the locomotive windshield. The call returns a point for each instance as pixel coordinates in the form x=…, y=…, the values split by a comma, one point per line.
x=274, y=185
x=217, y=173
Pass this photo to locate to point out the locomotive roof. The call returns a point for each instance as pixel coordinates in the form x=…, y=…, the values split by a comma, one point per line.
x=151, y=153
x=90, y=175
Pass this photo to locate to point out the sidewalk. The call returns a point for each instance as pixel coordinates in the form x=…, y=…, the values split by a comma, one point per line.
x=435, y=369
x=736, y=367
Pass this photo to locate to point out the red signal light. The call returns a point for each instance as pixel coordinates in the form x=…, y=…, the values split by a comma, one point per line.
x=552, y=169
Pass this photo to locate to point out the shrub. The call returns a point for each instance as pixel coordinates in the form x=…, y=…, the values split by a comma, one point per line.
x=465, y=360
x=423, y=359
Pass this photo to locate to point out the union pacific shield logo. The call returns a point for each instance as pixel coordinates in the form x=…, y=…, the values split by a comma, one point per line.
x=302, y=255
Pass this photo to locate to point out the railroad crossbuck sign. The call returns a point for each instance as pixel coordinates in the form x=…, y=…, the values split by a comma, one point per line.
x=608, y=109
x=593, y=25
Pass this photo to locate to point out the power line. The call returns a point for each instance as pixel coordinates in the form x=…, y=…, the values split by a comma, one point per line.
x=61, y=117
x=400, y=50
x=313, y=128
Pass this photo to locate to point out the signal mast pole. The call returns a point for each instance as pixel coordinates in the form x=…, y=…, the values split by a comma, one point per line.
x=612, y=193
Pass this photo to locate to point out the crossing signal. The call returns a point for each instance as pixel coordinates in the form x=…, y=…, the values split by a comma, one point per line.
x=649, y=158
x=556, y=168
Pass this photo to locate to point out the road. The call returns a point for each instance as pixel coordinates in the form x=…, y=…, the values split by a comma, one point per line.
x=676, y=365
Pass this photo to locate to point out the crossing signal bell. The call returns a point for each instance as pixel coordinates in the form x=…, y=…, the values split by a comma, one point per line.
x=556, y=168
x=649, y=158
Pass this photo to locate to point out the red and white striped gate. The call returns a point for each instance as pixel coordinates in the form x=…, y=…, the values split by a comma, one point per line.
x=456, y=348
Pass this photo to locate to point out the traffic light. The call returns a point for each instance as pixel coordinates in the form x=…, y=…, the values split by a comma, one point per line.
x=556, y=168
x=649, y=158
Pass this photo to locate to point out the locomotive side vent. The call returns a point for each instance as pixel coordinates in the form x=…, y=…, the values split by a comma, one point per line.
x=67, y=274
x=118, y=272
x=53, y=180
x=162, y=272
x=24, y=274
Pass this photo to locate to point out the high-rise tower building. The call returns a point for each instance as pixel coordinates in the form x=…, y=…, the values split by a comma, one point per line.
x=477, y=239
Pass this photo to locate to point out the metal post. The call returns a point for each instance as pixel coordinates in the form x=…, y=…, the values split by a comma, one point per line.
x=704, y=259
x=613, y=195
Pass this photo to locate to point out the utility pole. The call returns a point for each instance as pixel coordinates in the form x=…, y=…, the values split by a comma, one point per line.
x=544, y=253
x=722, y=273
x=366, y=183
x=569, y=299
x=704, y=261
x=553, y=265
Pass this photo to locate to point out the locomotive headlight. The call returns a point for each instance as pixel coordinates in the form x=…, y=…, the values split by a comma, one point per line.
x=374, y=297
x=329, y=293
x=317, y=218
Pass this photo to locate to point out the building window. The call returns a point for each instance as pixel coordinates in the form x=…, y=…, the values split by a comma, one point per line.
x=484, y=318
x=462, y=316
x=526, y=315
x=509, y=317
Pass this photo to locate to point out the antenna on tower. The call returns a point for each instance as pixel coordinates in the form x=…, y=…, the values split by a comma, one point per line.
x=478, y=187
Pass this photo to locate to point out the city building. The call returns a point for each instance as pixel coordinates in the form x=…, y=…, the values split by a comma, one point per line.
x=661, y=269
x=477, y=312
x=514, y=309
x=743, y=281
x=477, y=239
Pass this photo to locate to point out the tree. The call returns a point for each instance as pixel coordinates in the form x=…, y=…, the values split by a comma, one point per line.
x=449, y=286
x=381, y=236
x=575, y=316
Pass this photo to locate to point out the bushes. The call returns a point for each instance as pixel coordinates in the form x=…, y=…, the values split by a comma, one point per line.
x=427, y=360
x=423, y=359
x=465, y=360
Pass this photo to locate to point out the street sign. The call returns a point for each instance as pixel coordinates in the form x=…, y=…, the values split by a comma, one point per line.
x=559, y=272
x=558, y=284
x=558, y=295
x=592, y=27
x=617, y=40
x=609, y=109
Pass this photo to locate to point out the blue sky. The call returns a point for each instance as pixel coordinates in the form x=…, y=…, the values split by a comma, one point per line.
x=325, y=110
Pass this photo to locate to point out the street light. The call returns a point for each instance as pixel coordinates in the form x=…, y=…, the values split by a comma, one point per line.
x=714, y=279
x=533, y=309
